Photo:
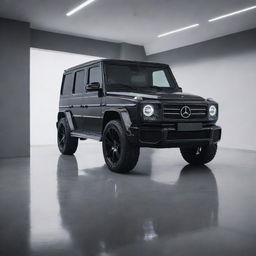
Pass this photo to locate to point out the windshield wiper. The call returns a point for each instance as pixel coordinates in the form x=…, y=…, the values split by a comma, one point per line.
x=150, y=88
x=119, y=86
x=157, y=88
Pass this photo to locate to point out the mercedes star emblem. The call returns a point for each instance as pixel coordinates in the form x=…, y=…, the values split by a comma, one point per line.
x=185, y=112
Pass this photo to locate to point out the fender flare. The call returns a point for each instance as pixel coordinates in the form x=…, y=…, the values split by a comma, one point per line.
x=69, y=118
x=124, y=117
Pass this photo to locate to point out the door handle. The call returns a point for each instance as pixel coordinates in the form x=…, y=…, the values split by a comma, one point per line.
x=84, y=106
x=70, y=106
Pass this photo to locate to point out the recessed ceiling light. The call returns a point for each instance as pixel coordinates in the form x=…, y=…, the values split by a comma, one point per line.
x=79, y=7
x=178, y=30
x=232, y=13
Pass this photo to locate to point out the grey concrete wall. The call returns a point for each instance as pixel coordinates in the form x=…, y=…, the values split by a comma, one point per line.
x=14, y=88
x=132, y=52
x=224, y=69
x=74, y=44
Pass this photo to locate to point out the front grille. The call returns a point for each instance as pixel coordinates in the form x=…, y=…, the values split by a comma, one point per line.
x=171, y=111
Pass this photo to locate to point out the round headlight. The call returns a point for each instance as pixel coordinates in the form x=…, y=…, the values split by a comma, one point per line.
x=148, y=110
x=212, y=110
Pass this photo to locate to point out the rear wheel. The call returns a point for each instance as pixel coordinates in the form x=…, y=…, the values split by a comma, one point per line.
x=120, y=155
x=67, y=144
x=200, y=154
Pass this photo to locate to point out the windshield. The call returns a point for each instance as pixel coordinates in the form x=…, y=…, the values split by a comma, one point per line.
x=138, y=77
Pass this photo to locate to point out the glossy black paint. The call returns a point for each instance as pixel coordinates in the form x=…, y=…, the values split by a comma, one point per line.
x=94, y=106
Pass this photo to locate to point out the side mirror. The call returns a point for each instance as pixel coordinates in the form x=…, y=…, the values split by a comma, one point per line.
x=95, y=86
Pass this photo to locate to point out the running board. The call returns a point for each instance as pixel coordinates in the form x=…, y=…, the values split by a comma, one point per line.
x=85, y=135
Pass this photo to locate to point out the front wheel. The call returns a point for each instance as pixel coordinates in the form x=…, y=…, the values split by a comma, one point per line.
x=119, y=154
x=200, y=154
x=67, y=144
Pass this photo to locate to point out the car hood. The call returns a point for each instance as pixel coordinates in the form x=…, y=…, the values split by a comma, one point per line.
x=160, y=95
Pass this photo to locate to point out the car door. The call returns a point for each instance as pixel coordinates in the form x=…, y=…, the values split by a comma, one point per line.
x=78, y=92
x=69, y=101
x=92, y=102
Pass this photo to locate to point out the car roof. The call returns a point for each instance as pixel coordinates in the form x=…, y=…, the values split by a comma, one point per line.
x=113, y=61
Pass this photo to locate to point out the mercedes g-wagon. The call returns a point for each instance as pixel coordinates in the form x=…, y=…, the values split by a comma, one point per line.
x=131, y=104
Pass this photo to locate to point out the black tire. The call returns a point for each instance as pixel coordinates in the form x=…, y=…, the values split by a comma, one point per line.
x=119, y=154
x=67, y=144
x=199, y=155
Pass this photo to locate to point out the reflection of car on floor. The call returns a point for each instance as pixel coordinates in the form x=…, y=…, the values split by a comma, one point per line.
x=104, y=211
x=128, y=105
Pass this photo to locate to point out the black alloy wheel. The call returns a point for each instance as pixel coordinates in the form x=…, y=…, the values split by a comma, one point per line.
x=113, y=146
x=119, y=154
x=66, y=144
x=200, y=154
x=61, y=136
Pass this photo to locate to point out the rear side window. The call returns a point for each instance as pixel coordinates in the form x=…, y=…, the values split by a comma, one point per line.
x=79, y=82
x=67, y=86
x=94, y=75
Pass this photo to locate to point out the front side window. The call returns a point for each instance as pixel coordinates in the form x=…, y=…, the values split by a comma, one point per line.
x=94, y=75
x=138, y=77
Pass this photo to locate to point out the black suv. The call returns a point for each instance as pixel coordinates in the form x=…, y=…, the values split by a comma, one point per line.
x=130, y=104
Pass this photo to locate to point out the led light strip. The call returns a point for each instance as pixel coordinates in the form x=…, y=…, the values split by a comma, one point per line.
x=232, y=13
x=79, y=7
x=178, y=30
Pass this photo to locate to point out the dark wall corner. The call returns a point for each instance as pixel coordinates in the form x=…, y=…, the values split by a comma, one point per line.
x=14, y=97
x=73, y=44
x=132, y=52
x=80, y=45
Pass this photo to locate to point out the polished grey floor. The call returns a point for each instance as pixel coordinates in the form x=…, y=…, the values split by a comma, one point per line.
x=73, y=205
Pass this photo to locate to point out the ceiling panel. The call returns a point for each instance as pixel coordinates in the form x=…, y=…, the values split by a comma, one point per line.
x=135, y=21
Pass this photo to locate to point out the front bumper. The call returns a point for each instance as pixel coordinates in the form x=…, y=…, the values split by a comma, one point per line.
x=171, y=137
